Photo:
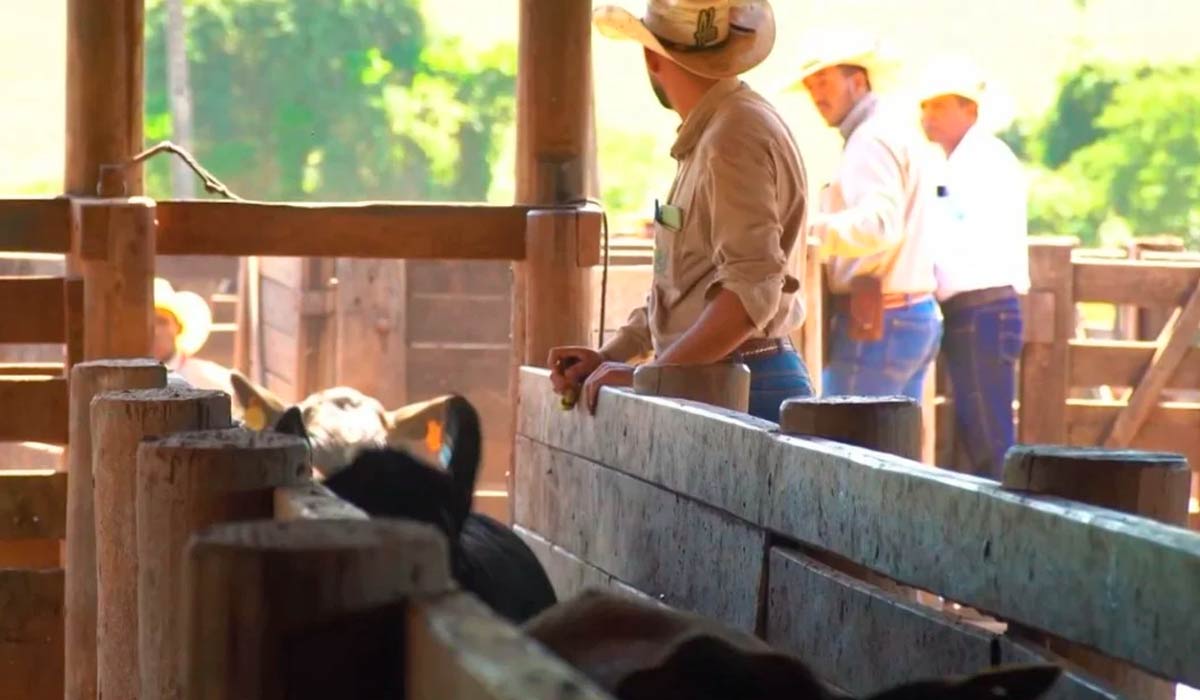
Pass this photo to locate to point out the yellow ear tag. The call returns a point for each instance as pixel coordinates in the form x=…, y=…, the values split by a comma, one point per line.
x=253, y=417
x=433, y=436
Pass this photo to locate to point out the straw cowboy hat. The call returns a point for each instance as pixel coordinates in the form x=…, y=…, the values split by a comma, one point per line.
x=189, y=310
x=711, y=38
x=950, y=74
x=846, y=47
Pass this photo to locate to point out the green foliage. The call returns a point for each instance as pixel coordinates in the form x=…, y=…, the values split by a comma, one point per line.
x=344, y=99
x=1120, y=152
x=633, y=172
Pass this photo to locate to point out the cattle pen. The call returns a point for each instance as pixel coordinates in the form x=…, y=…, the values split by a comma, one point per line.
x=827, y=542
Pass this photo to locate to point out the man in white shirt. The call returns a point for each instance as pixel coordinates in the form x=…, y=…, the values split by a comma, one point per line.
x=876, y=224
x=983, y=261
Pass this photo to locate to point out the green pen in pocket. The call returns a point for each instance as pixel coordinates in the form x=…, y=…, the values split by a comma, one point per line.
x=669, y=216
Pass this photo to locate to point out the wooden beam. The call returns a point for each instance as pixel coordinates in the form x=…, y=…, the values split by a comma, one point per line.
x=31, y=554
x=457, y=648
x=35, y=225
x=31, y=369
x=360, y=230
x=1135, y=282
x=33, y=409
x=570, y=575
x=1045, y=367
x=633, y=528
x=33, y=504
x=313, y=501
x=833, y=622
x=31, y=637
x=114, y=244
x=1122, y=363
x=1005, y=553
x=32, y=310
x=1170, y=426
x=1177, y=337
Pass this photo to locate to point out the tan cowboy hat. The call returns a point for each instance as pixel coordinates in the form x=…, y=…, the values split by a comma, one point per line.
x=711, y=38
x=189, y=310
x=951, y=74
x=847, y=47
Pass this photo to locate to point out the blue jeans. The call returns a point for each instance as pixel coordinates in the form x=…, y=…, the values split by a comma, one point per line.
x=982, y=346
x=773, y=380
x=893, y=366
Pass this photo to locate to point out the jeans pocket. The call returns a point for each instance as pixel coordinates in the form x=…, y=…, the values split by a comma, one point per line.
x=910, y=344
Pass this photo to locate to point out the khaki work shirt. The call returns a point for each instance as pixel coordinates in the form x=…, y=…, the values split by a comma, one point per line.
x=741, y=189
x=880, y=215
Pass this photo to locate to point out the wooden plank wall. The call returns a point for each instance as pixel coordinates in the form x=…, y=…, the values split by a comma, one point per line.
x=726, y=522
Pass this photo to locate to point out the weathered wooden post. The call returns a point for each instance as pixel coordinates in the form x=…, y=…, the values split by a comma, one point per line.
x=1152, y=484
x=1045, y=361
x=725, y=385
x=115, y=243
x=560, y=248
x=187, y=482
x=890, y=424
x=309, y=609
x=554, y=92
x=120, y=420
x=89, y=379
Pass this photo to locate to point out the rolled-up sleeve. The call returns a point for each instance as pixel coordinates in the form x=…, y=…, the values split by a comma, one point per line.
x=873, y=218
x=632, y=339
x=746, y=230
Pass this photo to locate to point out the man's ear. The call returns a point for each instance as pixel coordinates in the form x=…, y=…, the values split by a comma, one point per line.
x=260, y=407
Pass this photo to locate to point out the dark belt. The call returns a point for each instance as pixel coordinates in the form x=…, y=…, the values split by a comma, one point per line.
x=976, y=297
x=760, y=347
x=890, y=301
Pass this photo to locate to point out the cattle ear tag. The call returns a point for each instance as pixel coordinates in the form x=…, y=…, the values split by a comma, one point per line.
x=253, y=417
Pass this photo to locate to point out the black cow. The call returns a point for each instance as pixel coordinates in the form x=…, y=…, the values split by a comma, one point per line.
x=486, y=557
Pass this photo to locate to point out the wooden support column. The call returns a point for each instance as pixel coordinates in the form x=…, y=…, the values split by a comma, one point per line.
x=187, y=482
x=554, y=151
x=814, y=314
x=725, y=385
x=1152, y=484
x=88, y=379
x=115, y=243
x=560, y=248
x=890, y=424
x=120, y=421
x=105, y=65
x=1045, y=361
x=308, y=609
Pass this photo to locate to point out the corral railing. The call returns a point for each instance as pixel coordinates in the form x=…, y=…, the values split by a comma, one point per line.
x=721, y=514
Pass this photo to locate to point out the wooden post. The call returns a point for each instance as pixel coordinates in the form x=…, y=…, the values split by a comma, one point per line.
x=725, y=385
x=186, y=482
x=120, y=420
x=1151, y=484
x=558, y=285
x=554, y=95
x=814, y=315
x=890, y=424
x=89, y=379
x=307, y=609
x=1045, y=361
x=115, y=244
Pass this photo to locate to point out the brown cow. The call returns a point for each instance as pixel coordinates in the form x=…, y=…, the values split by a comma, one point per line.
x=639, y=651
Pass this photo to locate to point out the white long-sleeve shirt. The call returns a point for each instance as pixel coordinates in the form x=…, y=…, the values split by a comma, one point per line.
x=985, y=244
x=878, y=217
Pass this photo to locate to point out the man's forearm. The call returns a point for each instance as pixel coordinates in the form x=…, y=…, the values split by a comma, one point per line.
x=721, y=328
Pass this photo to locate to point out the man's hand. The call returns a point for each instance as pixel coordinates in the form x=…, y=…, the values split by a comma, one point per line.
x=608, y=374
x=571, y=366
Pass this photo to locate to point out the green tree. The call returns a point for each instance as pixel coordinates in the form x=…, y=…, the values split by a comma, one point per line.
x=346, y=99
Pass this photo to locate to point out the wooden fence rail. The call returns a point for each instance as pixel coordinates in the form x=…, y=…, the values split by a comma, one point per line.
x=622, y=498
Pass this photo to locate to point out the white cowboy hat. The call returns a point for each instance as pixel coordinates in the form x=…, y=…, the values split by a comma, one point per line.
x=950, y=74
x=847, y=47
x=189, y=310
x=711, y=38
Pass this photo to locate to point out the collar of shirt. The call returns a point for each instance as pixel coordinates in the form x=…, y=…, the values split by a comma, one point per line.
x=966, y=144
x=692, y=128
x=857, y=115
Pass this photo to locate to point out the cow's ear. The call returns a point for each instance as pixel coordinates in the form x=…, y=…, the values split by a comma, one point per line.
x=291, y=422
x=416, y=422
x=1011, y=682
x=706, y=667
x=260, y=407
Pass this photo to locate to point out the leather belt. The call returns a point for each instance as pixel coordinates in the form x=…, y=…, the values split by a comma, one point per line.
x=760, y=347
x=841, y=302
x=977, y=297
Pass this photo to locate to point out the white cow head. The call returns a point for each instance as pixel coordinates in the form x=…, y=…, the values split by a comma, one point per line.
x=341, y=422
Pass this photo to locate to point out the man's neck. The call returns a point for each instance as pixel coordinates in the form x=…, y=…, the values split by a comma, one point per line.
x=690, y=94
x=857, y=115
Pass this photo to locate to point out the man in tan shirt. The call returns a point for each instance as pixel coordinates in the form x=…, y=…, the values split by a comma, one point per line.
x=878, y=224
x=730, y=223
